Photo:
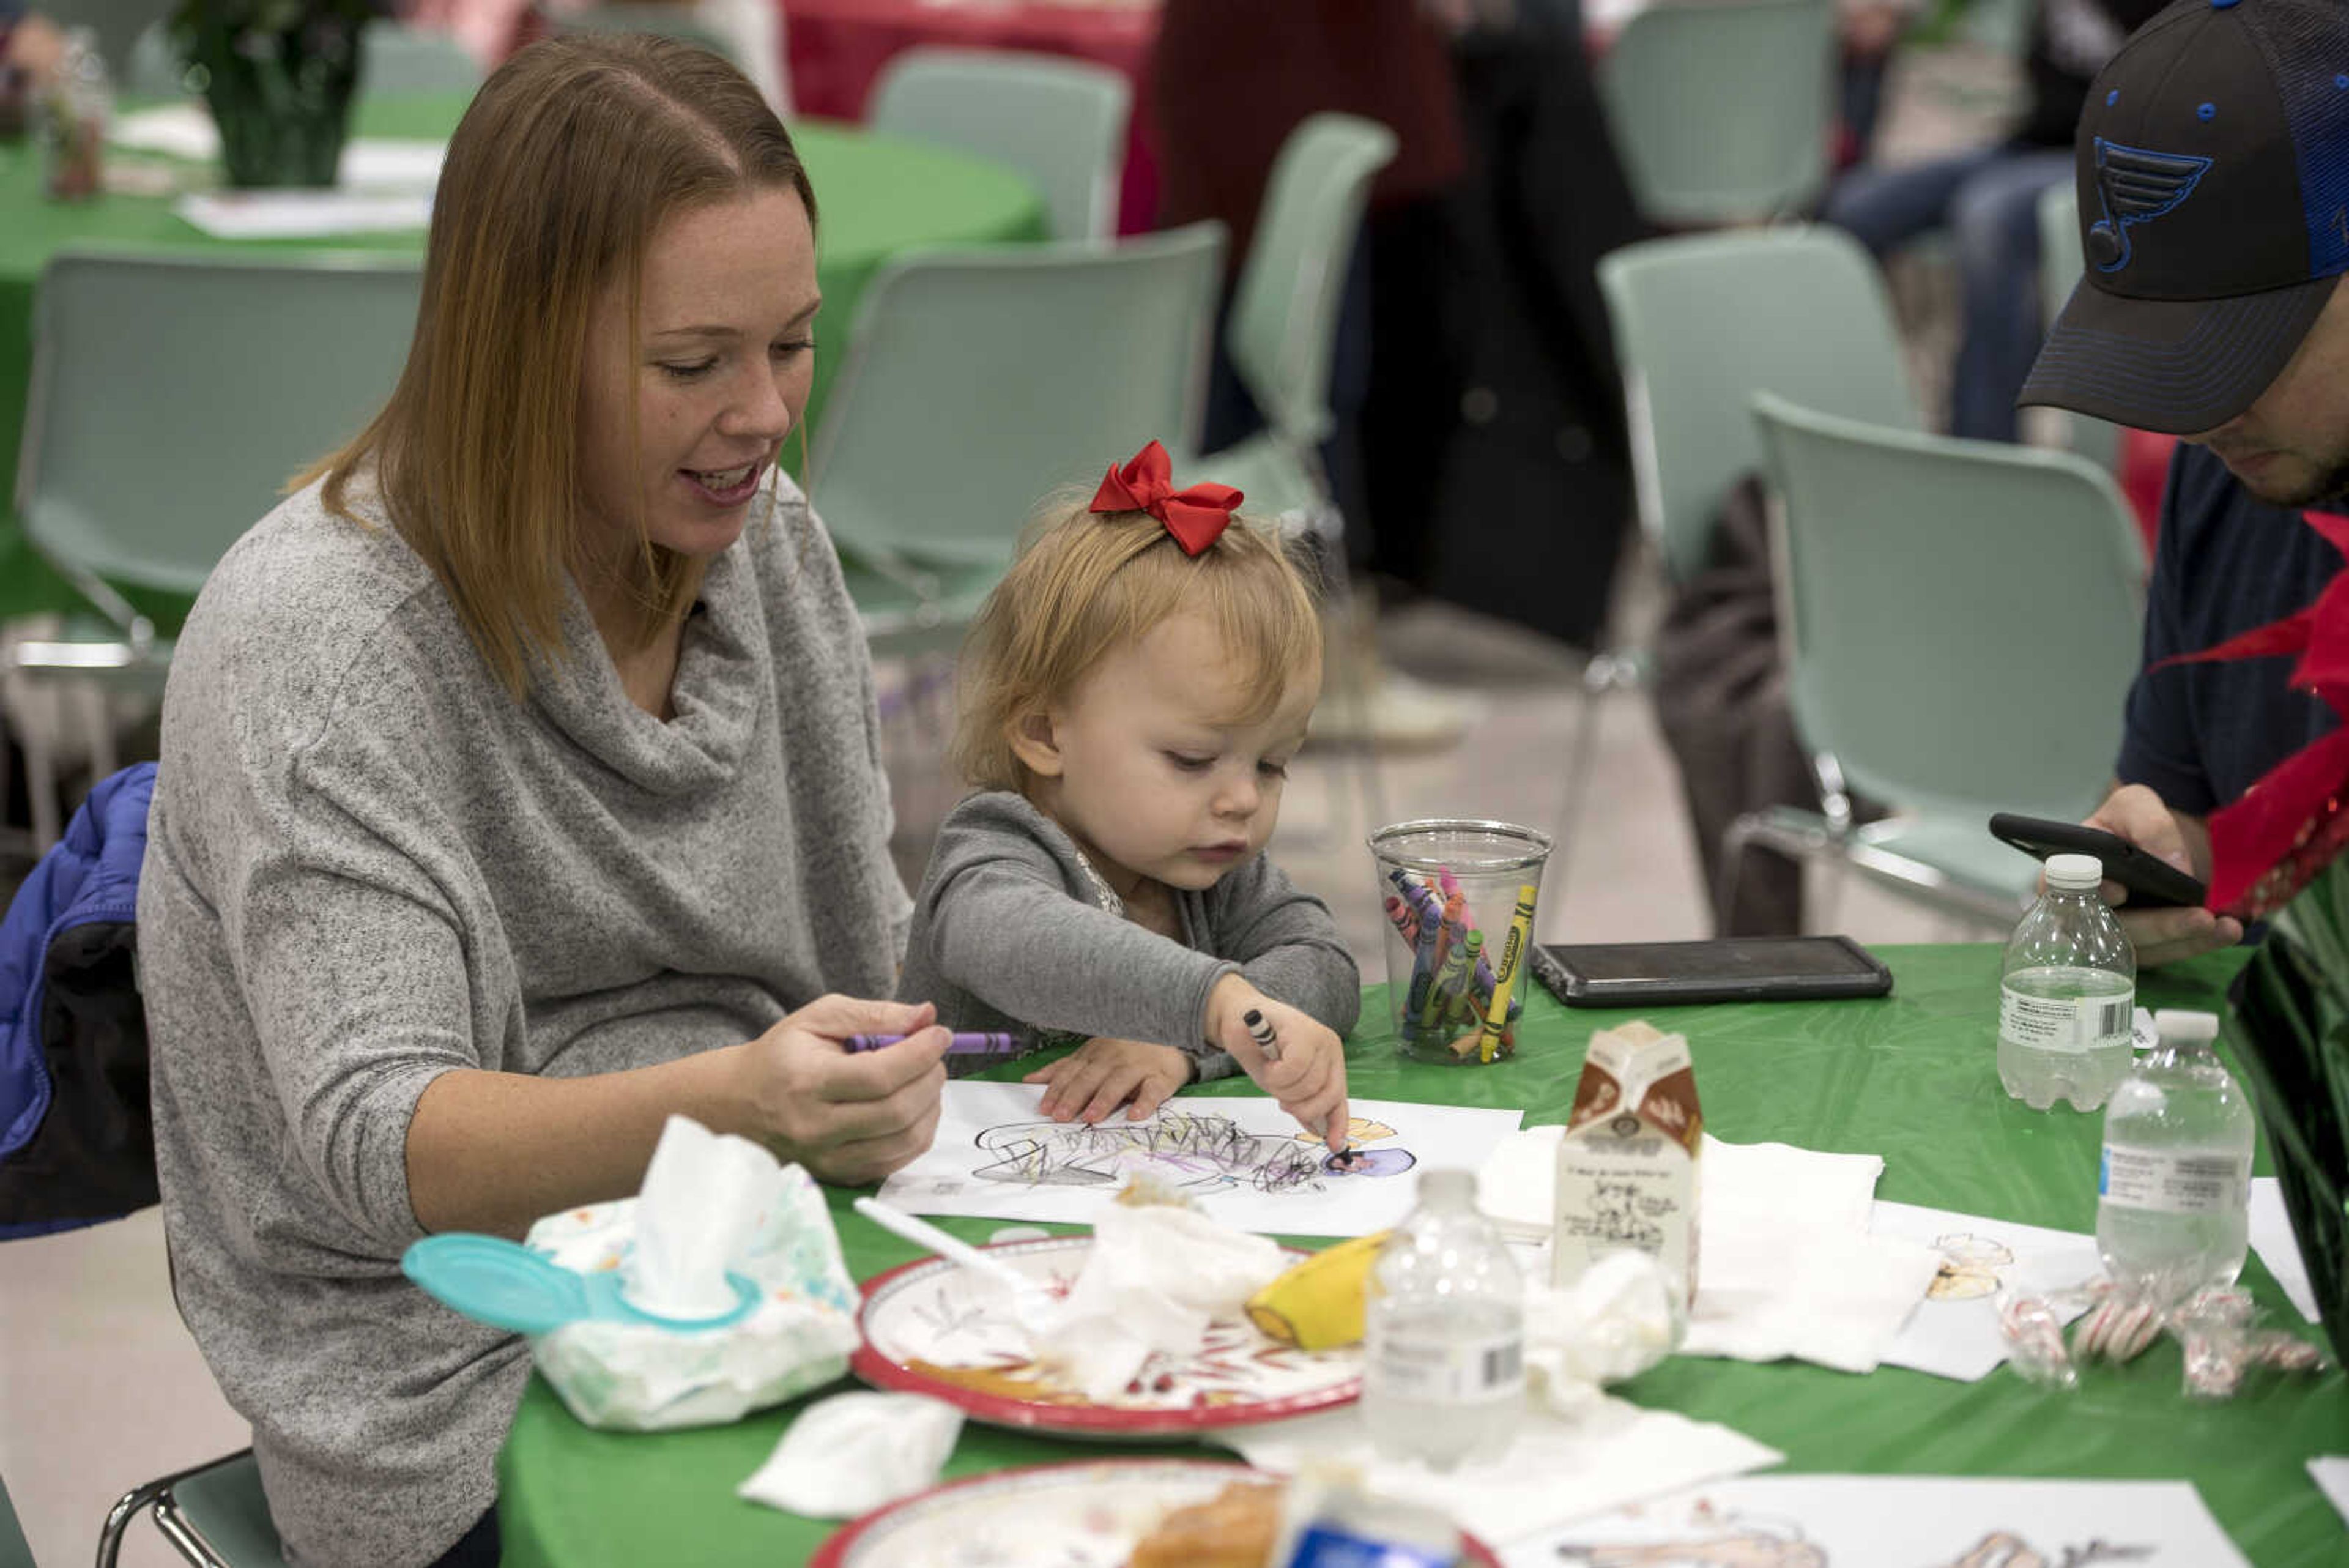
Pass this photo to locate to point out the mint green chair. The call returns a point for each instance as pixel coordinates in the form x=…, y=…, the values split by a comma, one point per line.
x=223, y=377
x=213, y=1515
x=397, y=58
x=1060, y=121
x=1701, y=323
x=1721, y=112
x=979, y=380
x=2060, y=266
x=1961, y=621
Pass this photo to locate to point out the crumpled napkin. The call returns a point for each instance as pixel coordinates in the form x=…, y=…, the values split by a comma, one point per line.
x=1613, y=1453
x=1153, y=1280
x=853, y=1452
x=1785, y=1266
x=1618, y=1320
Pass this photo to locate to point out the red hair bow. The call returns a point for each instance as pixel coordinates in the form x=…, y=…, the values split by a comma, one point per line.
x=1196, y=516
x=2271, y=842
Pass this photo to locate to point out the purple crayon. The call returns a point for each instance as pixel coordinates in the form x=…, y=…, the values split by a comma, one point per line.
x=962, y=1045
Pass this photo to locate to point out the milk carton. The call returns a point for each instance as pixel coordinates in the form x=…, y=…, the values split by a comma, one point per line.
x=1627, y=1166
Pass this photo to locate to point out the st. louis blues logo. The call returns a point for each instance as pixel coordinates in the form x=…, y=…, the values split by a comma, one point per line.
x=2135, y=186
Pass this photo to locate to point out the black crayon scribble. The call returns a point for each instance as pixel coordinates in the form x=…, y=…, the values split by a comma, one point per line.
x=1185, y=1149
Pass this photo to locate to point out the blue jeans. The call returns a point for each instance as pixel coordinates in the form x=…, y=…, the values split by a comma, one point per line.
x=1989, y=200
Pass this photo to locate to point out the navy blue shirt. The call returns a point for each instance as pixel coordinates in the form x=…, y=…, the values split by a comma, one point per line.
x=2199, y=734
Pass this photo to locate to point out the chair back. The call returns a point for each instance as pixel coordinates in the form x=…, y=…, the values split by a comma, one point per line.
x=171, y=398
x=395, y=58
x=1961, y=617
x=1061, y=122
x=2060, y=266
x=1721, y=112
x=679, y=22
x=978, y=380
x=1284, y=320
x=1703, y=322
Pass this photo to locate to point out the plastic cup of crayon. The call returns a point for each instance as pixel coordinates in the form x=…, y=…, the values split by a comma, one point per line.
x=1459, y=896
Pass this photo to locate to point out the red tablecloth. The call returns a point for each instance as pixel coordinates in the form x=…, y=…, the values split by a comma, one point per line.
x=836, y=48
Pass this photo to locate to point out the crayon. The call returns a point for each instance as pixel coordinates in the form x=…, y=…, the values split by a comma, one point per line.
x=1451, y=979
x=1513, y=955
x=1260, y=1029
x=1405, y=920
x=1422, y=968
x=962, y=1044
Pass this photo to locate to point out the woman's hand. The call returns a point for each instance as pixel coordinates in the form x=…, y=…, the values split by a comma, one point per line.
x=2163, y=936
x=850, y=1117
x=1309, y=1077
x=1103, y=1073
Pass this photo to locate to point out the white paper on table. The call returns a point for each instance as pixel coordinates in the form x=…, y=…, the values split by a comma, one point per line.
x=1557, y=1470
x=1954, y=1331
x=186, y=131
x=2278, y=1248
x=1901, y=1522
x=301, y=214
x=1243, y=1159
x=1517, y=1183
x=2330, y=1474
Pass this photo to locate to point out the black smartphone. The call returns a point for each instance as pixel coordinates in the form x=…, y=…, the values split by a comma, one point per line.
x=2152, y=882
x=1724, y=969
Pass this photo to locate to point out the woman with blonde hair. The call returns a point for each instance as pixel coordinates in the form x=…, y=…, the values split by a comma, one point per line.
x=520, y=788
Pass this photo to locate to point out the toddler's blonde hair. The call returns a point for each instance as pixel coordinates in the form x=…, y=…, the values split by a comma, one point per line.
x=1088, y=583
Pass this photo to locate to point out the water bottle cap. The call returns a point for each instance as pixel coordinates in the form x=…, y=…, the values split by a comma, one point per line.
x=2074, y=871
x=2186, y=1026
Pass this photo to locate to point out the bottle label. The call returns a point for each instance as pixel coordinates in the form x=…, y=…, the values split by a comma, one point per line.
x=1469, y=1370
x=2071, y=1024
x=2171, y=1182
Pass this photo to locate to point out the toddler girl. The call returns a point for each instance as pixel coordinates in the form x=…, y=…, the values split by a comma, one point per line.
x=1131, y=693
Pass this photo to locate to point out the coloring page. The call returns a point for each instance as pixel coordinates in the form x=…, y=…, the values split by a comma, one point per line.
x=1954, y=1331
x=1243, y=1159
x=1896, y=1521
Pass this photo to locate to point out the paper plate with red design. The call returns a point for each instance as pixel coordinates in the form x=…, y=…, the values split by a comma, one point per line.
x=1091, y=1513
x=934, y=1327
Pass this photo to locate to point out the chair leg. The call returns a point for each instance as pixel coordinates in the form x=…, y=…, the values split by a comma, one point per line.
x=1602, y=674
x=156, y=1495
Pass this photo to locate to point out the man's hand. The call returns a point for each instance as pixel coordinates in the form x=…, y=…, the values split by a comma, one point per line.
x=2163, y=936
x=1105, y=1072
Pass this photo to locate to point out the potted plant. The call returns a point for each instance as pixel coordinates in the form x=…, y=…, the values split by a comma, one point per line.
x=278, y=76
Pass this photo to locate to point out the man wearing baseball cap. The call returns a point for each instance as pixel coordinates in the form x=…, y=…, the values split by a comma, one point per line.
x=2213, y=171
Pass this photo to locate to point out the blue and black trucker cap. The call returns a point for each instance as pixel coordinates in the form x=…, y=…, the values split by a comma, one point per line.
x=2213, y=172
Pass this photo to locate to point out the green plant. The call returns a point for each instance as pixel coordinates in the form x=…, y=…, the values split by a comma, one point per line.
x=279, y=75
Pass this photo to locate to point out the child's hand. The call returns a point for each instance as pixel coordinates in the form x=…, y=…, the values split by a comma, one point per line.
x=1309, y=1078
x=1103, y=1073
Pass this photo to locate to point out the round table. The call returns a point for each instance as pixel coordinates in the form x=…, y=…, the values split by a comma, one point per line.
x=1909, y=1077
x=876, y=195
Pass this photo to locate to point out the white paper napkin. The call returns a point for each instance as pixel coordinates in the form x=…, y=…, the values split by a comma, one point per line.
x=853, y=1452
x=1769, y=1290
x=1152, y=1279
x=1618, y=1452
x=704, y=1194
x=1517, y=1184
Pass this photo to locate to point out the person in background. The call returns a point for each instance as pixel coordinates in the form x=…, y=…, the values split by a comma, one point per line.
x=29, y=42
x=1131, y=693
x=2213, y=161
x=1989, y=200
x=520, y=788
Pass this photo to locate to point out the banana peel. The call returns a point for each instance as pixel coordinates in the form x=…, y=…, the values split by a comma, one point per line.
x=1317, y=1305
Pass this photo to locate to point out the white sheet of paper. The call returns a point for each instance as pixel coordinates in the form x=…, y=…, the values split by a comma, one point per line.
x=1243, y=1159
x=2330, y=1474
x=1557, y=1470
x=186, y=131
x=1911, y=1521
x=302, y=215
x=1954, y=1331
x=2271, y=1238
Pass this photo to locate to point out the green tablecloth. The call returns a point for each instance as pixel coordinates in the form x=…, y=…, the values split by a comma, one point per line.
x=1909, y=1077
x=877, y=195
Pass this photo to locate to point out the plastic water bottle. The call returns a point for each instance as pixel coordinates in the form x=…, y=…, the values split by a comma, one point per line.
x=2174, y=1191
x=73, y=120
x=2067, y=992
x=1443, y=1367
